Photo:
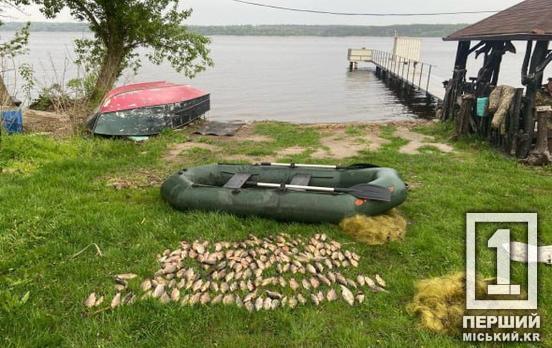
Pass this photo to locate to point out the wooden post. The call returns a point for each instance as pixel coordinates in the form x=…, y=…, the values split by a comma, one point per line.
x=513, y=126
x=464, y=119
x=541, y=154
x=428, y=79
x=407, y=74
x=449, y=102
x=496, y=72
x=533, y=84
x=526, y=59
x=462, y=54
x=421, y=73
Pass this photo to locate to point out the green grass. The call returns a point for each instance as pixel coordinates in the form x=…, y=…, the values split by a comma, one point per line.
x=55, y=202
x=288, y=135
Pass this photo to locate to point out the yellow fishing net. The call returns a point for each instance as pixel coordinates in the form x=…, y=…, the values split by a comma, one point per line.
x=440, y=303
x=375, y=230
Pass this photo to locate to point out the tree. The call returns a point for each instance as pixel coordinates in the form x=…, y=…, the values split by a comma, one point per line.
x=121, y=27
x=9, y=50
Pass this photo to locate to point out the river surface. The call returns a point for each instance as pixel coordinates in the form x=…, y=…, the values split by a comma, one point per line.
x=295, y=79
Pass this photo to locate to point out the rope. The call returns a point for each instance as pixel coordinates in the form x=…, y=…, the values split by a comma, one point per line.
x=359, y=14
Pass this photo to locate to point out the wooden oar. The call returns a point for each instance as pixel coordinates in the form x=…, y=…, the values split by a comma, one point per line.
x=322, y=166
x=362, y=191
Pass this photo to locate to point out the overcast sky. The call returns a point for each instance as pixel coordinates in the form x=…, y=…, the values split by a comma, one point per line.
x=226, y=12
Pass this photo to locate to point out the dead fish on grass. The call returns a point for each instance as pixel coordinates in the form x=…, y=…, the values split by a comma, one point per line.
x=90, y=300
x=347, y=295
x=116, y=302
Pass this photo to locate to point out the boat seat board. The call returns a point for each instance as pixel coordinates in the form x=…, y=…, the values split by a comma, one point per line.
x=237, y=181
x=301, y=180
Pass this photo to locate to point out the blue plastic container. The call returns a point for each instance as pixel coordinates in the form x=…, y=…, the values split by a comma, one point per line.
x=482, y=106
x=12, y=121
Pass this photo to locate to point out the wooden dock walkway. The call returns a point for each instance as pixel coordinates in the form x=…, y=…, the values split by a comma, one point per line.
x=408, y=74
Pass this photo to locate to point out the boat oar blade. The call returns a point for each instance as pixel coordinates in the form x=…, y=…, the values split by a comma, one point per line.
x=362, y=191
x=369, y=192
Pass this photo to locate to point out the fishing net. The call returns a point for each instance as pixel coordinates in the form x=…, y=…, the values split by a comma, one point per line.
x=494, y=99
x=375, y=230
x=440, y=302
x=500, y=103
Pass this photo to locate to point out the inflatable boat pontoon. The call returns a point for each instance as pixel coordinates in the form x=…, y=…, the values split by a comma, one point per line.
x=289, y=192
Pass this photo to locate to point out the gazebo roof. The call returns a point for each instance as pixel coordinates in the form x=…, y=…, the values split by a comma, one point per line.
x=528, y=20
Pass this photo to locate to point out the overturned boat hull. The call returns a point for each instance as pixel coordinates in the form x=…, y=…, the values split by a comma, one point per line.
x=148, y=108
x=203, y=188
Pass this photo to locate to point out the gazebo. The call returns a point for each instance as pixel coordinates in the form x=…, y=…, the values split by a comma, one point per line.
x=464, y=102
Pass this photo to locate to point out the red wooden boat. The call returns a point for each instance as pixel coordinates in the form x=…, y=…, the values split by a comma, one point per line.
x=144, y=109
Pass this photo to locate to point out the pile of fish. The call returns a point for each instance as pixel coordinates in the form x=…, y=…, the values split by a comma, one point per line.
x=255, y=274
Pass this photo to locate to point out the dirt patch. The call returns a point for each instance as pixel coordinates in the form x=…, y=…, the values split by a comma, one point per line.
x=337, y=143
x=47, y=123
x=177, y=149
x=417, y=141
x=249, y=159
x=291, y=151
x=138, y=179
x=245, y=133
x=414, y=185
x=256, y=138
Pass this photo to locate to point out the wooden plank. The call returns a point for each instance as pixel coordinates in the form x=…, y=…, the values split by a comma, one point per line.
x=360, y=55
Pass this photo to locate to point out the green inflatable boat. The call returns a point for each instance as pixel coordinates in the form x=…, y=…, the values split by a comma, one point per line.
x=289, y=192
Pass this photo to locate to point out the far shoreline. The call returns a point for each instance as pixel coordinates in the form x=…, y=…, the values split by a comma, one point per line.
x=280, y=30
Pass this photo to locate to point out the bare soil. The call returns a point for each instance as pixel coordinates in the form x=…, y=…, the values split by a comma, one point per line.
x=337, y=142
x=138, y=179
x=56, y=124
x=417, y=141
x=177, y=149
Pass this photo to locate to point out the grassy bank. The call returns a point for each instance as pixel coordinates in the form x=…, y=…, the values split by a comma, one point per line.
x=56, y=200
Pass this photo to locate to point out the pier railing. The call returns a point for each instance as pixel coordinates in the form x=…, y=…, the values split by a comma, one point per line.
x=409, y=72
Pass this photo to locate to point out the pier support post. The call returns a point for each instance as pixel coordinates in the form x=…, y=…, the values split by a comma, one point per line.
x=539, y=56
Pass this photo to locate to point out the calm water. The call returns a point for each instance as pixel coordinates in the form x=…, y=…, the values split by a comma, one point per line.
x=297, y=79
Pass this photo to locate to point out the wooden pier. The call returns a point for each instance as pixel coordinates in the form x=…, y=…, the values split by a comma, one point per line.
x=407, y=74
x=359, y=55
